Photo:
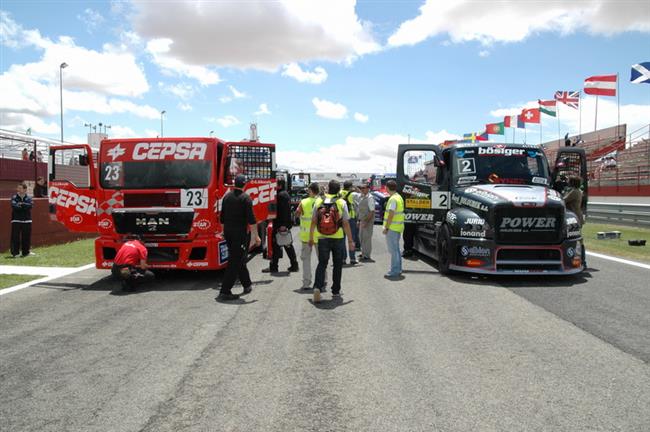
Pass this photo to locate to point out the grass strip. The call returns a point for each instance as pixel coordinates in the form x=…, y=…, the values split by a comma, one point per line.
x=9, y=280
x=618, y=247
x=73, y=254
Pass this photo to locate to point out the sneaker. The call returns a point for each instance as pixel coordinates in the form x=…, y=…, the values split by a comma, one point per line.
x=305, y=288
x=227, y=297
x=336, y=295
x=391, y=276
x=293, y=268
x=270, y=270
x=248, y=289
x=316, y=295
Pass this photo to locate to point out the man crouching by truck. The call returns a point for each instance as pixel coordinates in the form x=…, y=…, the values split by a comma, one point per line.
x=130, y=265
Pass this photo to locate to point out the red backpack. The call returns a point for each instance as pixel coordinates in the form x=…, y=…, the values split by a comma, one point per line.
x=329, y=220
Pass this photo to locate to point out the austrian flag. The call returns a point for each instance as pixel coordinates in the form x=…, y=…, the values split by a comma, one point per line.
x=601, y=85
x=531, y=115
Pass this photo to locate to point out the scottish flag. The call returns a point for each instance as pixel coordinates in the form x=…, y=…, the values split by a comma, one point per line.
x=640, y=73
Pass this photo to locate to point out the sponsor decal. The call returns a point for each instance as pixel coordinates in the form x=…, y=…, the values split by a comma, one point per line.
x=475, y=251
x=475, y=221
x=540, y=180
x=414, y=192
x=462, y=153
x=68, y=199
x=571, y=220
x=76, y=219
x=553, y=195
x=151, y=223
x=466, y=179
x=105, y=223
x=574, y=233
x=169, y=151
x=202, y=224
x=418, y=217
x=482, y=193
x=223, y=252
x=418, y=203
x=522, y=224
x=468, y=202
x=197, y=264
x=501, y=151
x=106, y=264
x=451, y=218
x=570, y=252
x=475, y=234
x=164, y=266
x=263, y=193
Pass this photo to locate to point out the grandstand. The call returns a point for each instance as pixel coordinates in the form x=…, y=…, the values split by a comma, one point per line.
x=618, y=163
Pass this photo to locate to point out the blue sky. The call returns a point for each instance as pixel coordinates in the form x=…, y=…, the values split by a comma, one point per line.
x=335, y=84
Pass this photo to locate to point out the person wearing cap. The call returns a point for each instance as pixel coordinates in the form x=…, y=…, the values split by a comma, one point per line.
x=130, y=265
x=366, y=216
x=240, y=232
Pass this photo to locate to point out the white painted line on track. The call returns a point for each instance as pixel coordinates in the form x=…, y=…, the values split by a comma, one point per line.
x=45, y=279
x=620, y=260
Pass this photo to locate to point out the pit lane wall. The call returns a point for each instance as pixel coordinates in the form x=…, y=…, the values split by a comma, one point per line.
x=44, y=231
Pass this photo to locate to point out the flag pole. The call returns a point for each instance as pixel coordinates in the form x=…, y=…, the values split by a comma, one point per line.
x=596, y=117
x=559, y=135
x=618, y=103
x=580, y=113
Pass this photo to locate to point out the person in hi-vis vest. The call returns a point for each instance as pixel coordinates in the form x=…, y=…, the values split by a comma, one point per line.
x=393, y=228
x=305, y=212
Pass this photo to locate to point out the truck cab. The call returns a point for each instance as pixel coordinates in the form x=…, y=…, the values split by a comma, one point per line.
x=488, y=208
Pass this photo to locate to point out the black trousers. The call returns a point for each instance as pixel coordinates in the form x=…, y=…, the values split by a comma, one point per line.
x=21, y=237
x=136, y=276
x=409, y=236
x=337, y=248
x=277, y=253
x=237, y=243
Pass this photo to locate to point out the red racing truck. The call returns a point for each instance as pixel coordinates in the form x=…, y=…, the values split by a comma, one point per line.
x=168, y=190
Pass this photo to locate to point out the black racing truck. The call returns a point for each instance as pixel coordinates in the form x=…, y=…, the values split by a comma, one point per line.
x=491, y=208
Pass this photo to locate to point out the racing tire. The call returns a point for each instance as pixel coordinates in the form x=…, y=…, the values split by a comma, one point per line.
x=444, y=245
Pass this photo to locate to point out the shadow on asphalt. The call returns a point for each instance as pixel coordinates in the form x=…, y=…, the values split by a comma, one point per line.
x=239, y=302
x=330, y=304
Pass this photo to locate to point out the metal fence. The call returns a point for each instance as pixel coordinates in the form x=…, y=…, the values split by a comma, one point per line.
x=637, y=215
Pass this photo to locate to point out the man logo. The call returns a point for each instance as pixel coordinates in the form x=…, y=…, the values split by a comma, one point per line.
x=151, y=223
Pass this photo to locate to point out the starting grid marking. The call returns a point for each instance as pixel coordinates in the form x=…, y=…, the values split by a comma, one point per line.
x=58, y=274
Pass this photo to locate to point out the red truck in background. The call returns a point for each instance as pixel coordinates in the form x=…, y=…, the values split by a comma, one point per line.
x=168, y=190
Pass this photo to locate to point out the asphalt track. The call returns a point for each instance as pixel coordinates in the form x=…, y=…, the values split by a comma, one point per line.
x=427, y=353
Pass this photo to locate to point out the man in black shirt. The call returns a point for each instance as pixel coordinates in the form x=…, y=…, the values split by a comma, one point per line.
x=21, y=221
x=238, y=220
x=282, y=224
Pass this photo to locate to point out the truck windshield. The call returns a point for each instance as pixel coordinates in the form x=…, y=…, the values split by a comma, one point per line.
x=499, y=164
x=155, y=174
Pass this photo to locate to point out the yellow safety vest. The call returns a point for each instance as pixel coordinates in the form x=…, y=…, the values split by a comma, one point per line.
x=398, y=218
x=346, y=196
x=307, y=206
x=339, y=204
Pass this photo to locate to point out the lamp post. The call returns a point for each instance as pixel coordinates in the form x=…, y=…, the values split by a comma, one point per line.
x=106, y=127
x=61, y=67
x=162, y=113
x=211, y=132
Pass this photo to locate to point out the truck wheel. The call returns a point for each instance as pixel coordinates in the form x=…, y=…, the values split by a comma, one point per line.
x=444, y=245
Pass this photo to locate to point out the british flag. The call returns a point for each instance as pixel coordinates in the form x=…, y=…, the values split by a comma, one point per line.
x=570, y=98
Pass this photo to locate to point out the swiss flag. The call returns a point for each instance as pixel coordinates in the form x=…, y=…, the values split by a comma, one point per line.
x=531, y=115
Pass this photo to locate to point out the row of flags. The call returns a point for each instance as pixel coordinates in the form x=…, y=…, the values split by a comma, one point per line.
x=597, y=85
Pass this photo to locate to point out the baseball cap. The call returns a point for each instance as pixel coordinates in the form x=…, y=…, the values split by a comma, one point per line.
x=240, y=181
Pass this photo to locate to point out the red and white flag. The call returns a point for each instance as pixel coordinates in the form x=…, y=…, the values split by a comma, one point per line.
x=530, y=115
x=510, y=121
x=601, y=85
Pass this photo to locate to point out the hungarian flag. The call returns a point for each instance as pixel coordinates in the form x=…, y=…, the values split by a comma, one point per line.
x=495, y=128
x=510, y=121
x=640, y=73
x=530, y=115
x=548, y=107
x=601, y=85
x=569, y=98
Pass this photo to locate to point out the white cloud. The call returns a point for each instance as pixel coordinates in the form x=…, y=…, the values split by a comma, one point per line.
x=293, y=70
x=255, y=34
x=483, y=53
x=150, y=133
x=160, y=50
x=225, y=99
x=331, y=110
x=513, y=21
x=263, y=109
x=361, y=118
x=185, y=107
x=117, y=131
x=180, y=90
x=236, y=93
x=91, y=19
x=225, y=121
x=21, y=122
x=357, y=154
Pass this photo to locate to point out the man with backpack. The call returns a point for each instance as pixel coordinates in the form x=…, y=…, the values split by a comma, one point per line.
x=349, y=195
x=331, y=219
